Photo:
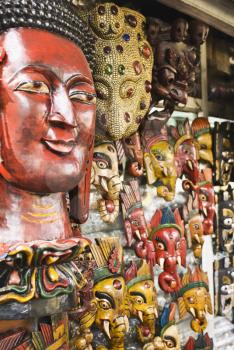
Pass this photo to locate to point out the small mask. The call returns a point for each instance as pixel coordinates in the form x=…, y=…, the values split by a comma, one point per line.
x=123, y=70
x=109, y=292
x=179, y=30
x=195, y=298
x=226, y=221
x=198, y=32
x=186, y=151
x=105, y=177
x=202, y=201
x=169, y=339
x=223, y=153
x=225, y=291
x=134, y=222
x=134, y=155
x=202, y=133
x=170, y=247
x=142, y=299
x=203, y=342
x=196, y=231
x=159, y=162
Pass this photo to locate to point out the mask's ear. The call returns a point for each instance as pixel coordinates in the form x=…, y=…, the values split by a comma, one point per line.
x=209, y=304
x=182, y=307
x=79, y=196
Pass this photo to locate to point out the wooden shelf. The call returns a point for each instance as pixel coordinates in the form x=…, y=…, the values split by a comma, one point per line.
x=217, y=13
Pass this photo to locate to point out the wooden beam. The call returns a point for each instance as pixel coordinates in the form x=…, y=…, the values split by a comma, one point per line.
x=204, y=83
x=216, y=14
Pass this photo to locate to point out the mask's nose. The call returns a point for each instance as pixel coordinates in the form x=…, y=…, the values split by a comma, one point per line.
x=62, y=112
x=58, y=120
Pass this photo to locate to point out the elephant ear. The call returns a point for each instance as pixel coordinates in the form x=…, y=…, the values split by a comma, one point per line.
x=179, y=221
x=87, y=319
x=182, y=308
x=151, y=178
x=209, y=304
x=174, y=132
x=156, y=219
x=188, y=186
x=183, y=249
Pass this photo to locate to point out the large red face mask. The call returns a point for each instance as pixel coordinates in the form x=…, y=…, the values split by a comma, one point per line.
x=47, y=111
x=170, y=247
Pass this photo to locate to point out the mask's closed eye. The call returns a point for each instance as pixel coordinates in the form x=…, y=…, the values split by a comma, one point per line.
x=35, y=87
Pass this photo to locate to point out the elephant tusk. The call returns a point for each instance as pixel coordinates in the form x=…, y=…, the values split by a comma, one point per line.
x=197, y=238
x=206, y=308
x=106, y=326
x=205, y=212
x=190, y=164
x=161, y=262
x=90, y=347
x=140, y=315
x=191, y=309
x=137, y=232
x=165, y=171
x=156, y=312
x=179, y=260
x=126, y=323
x=103, y=183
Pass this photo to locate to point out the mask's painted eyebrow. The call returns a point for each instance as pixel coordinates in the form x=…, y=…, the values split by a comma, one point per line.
x=172, y=339
x=35, y=68
x=51, y=74
x=101, y=295
x=137, y=294
x=79, y=78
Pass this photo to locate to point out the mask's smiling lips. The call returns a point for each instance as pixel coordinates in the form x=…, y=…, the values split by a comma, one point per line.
x=60, y=146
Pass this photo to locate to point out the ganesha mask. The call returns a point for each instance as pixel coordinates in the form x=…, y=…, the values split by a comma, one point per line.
x=201, y=200
x=186, y=151
x=142, y=299
x=109, y=293
x=167, y=236
x=195, y=298
x=202, y=133
x=169, y=339
x=105, y=177
x=160, y=166
x=123, y=70
x=135, y=225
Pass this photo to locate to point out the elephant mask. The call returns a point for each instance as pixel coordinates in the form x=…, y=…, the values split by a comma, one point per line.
x=142, y=299
x=195, y=298
x=105, y=177
x=160, y=165
x=170, y=247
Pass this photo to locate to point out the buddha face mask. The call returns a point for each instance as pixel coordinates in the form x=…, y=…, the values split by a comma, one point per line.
x=47, y=128
x=123, y=70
